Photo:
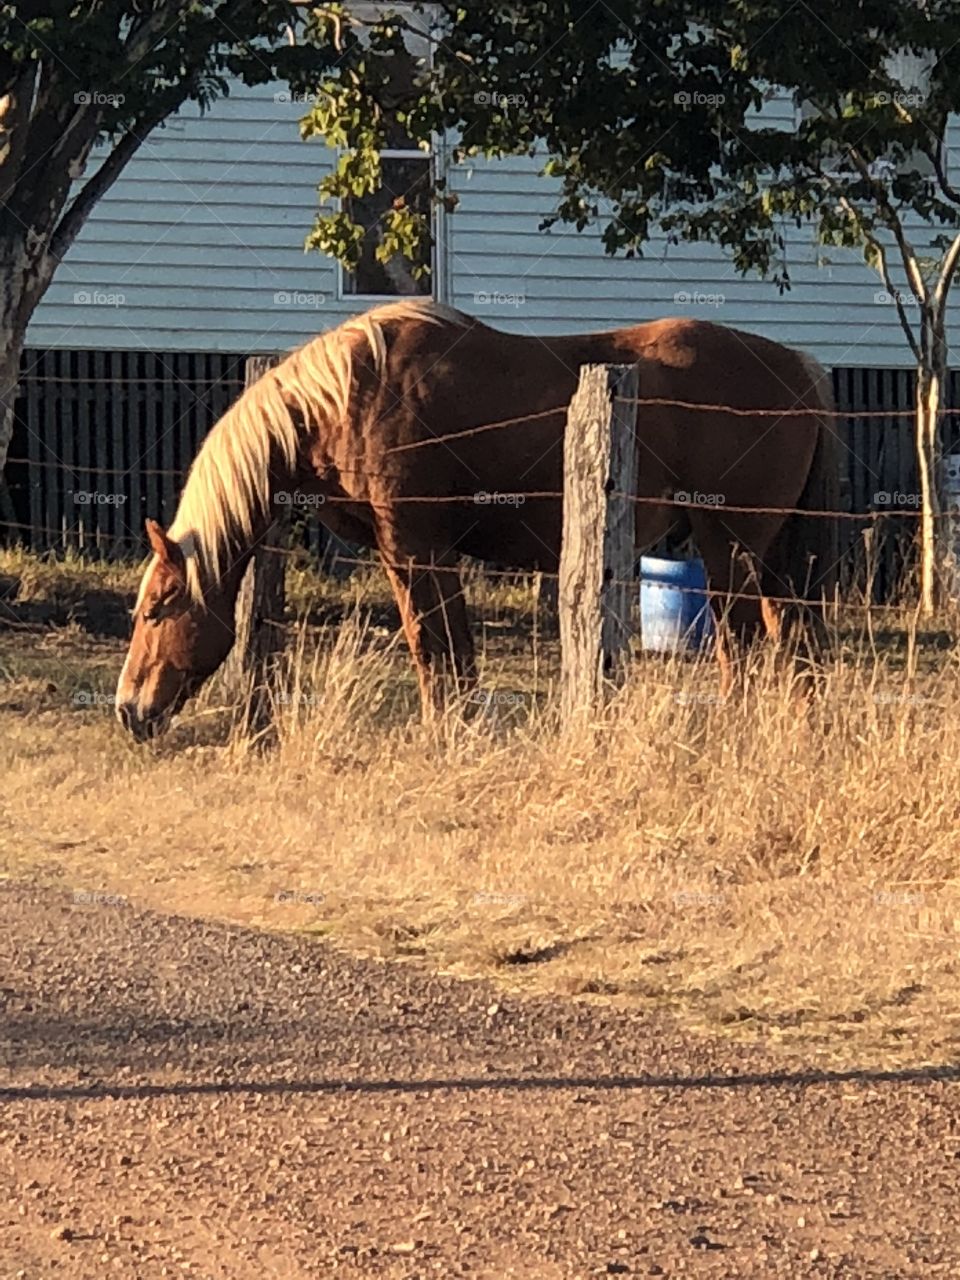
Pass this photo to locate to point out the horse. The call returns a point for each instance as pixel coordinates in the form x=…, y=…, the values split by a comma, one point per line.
x=408, y=425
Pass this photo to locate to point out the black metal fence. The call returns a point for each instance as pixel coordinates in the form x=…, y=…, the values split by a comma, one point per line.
x=103, y=439
x=879, y=474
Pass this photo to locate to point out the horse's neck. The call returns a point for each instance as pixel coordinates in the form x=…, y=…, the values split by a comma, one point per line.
x=230, y=502
x=221, y=560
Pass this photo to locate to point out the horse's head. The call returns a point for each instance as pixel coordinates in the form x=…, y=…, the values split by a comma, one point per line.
x=177, y=643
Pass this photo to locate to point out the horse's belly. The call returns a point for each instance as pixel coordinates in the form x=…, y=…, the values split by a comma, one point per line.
x=512, y=530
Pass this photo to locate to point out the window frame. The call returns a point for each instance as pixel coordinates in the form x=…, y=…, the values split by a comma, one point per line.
x=437, y=274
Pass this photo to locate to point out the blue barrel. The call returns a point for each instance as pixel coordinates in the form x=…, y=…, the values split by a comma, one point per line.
x=674, y=609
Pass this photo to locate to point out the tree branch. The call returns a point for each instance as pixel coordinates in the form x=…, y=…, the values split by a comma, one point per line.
x=891, y=219
x=15, y=108
x=947, y=272
x=142, y=34
x=894, y=225
x=881, y=252
x=100, y=182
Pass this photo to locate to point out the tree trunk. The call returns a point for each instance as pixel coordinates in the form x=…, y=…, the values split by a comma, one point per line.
x=931, y=375
x=11, y=349
x=24, y=276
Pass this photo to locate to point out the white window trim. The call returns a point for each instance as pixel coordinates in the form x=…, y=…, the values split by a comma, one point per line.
x=439, y=291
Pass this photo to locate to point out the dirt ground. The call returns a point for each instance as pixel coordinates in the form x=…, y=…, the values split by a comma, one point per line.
x=181, y=1098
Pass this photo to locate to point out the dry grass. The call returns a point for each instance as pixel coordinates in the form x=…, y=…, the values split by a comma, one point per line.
x=760, y=867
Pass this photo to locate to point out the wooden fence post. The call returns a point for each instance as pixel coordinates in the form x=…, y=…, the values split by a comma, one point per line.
x=598, y=596
x=260, y=610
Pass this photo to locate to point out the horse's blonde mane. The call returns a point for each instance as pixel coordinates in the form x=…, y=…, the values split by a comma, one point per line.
x=228, y=490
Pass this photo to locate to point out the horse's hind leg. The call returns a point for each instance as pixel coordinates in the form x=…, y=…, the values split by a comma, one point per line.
x=429, y=594
x=797, y=627
x=737, y=614
x=734, y=575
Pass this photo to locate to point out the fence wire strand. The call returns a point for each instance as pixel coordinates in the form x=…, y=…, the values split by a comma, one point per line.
x=94, y=536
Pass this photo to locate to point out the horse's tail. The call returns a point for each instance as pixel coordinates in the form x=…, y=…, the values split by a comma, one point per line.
x=811, y=543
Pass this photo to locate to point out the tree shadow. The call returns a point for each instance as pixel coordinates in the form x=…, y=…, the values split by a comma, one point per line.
x=485, y=1084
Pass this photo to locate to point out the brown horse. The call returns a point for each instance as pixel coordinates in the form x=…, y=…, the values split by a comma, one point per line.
x=355, y=419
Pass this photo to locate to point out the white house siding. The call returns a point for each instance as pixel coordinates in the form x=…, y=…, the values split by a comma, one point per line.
x=502, y=268
x=199, y=244
x=506, y=271
x=199, y=247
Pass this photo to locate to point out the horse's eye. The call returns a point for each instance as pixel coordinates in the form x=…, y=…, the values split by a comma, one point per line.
x=160, y=608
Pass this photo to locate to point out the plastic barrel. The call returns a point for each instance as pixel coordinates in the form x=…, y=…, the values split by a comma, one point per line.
x=674, y=609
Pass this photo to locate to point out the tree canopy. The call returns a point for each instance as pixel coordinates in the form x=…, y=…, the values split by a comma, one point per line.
x=78, y=75
x=648, y=113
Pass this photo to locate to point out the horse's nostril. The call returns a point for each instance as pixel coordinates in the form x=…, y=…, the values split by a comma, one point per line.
x=123, y=714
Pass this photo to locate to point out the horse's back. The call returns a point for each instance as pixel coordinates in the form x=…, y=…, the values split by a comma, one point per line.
x=681, y=354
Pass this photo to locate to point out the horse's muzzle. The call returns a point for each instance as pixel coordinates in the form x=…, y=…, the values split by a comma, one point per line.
x=142, y=727
x=145, y=726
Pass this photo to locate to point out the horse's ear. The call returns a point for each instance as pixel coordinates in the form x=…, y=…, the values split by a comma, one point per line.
x=163, y=547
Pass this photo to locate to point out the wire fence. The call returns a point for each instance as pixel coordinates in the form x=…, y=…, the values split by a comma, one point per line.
x=108, y=520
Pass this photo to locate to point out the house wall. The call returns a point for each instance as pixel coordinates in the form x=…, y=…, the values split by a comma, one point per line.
x=199, y=247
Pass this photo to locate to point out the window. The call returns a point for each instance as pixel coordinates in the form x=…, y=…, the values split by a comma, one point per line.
x=407, y=177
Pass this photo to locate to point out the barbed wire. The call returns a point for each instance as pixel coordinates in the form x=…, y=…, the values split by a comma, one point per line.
x=705, y=593
x=501, y=499
x=94, y=468
x=724, y=410
x=88, y=531
x=489, y=500
x=171, y=381
x=659, y=401
x=792, y=411
x=377, y=561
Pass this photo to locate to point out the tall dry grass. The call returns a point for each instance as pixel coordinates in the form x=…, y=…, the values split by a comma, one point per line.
x=760, y=865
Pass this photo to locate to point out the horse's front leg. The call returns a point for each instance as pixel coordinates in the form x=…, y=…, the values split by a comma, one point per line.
x=429, y=594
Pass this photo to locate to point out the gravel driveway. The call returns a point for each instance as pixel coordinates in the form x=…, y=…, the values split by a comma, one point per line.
x=182, y=1098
